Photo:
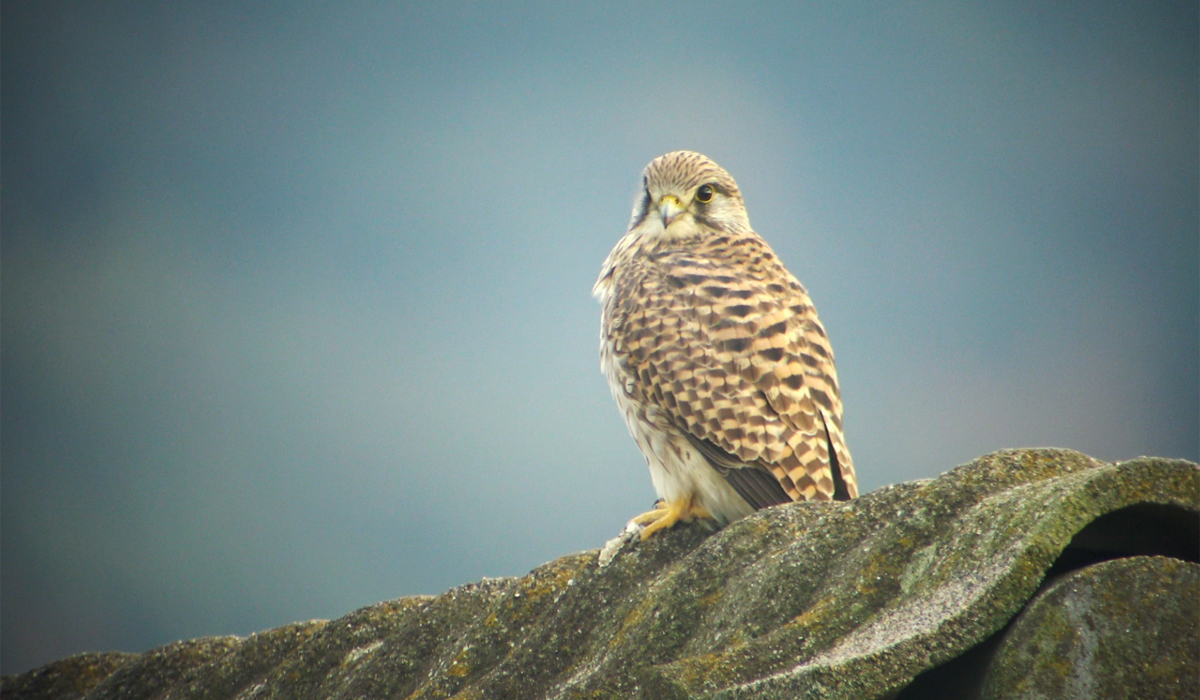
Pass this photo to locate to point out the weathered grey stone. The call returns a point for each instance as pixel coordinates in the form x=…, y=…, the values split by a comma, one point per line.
x=830, y=600
x=67, y=679
x=1125, y=628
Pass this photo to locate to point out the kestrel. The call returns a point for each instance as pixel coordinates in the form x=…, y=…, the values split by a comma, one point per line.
x=715, y=356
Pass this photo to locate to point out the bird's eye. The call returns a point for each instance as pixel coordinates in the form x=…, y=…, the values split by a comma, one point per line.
x=704, y=194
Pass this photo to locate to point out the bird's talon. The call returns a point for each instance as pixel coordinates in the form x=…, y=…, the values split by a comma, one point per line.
x=666, y=514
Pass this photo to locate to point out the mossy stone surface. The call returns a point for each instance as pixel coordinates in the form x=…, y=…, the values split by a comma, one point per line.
x=828, y=600
x=1125, y=628
x=68, y=679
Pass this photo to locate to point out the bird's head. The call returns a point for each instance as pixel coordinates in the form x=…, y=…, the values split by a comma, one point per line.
x=687, y=195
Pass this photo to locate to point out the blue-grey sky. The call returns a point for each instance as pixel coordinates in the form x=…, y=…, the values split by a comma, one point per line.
x=296, y=311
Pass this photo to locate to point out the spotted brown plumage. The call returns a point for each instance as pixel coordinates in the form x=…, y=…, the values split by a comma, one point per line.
x=716, y=358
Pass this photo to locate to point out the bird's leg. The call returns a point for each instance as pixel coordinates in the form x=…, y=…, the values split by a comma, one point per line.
x=667, y=513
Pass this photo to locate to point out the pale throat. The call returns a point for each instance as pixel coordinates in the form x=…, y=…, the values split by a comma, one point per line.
x=683, y=228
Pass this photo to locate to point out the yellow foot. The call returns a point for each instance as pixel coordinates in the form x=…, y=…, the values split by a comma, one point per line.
x=667, y=513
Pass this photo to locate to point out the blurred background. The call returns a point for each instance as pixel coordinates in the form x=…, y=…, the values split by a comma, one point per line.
x=296, y=299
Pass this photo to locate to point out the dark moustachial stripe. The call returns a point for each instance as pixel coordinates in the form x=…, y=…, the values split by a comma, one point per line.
x=711, y=223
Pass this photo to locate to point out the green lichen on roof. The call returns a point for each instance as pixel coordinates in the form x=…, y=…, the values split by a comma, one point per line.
x=1125, y=628
x=830, y=600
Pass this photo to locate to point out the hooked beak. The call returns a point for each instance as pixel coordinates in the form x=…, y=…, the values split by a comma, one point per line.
x=670, y=208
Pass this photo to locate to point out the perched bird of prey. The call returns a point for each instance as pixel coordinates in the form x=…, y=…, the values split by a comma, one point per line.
x=715, y=356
